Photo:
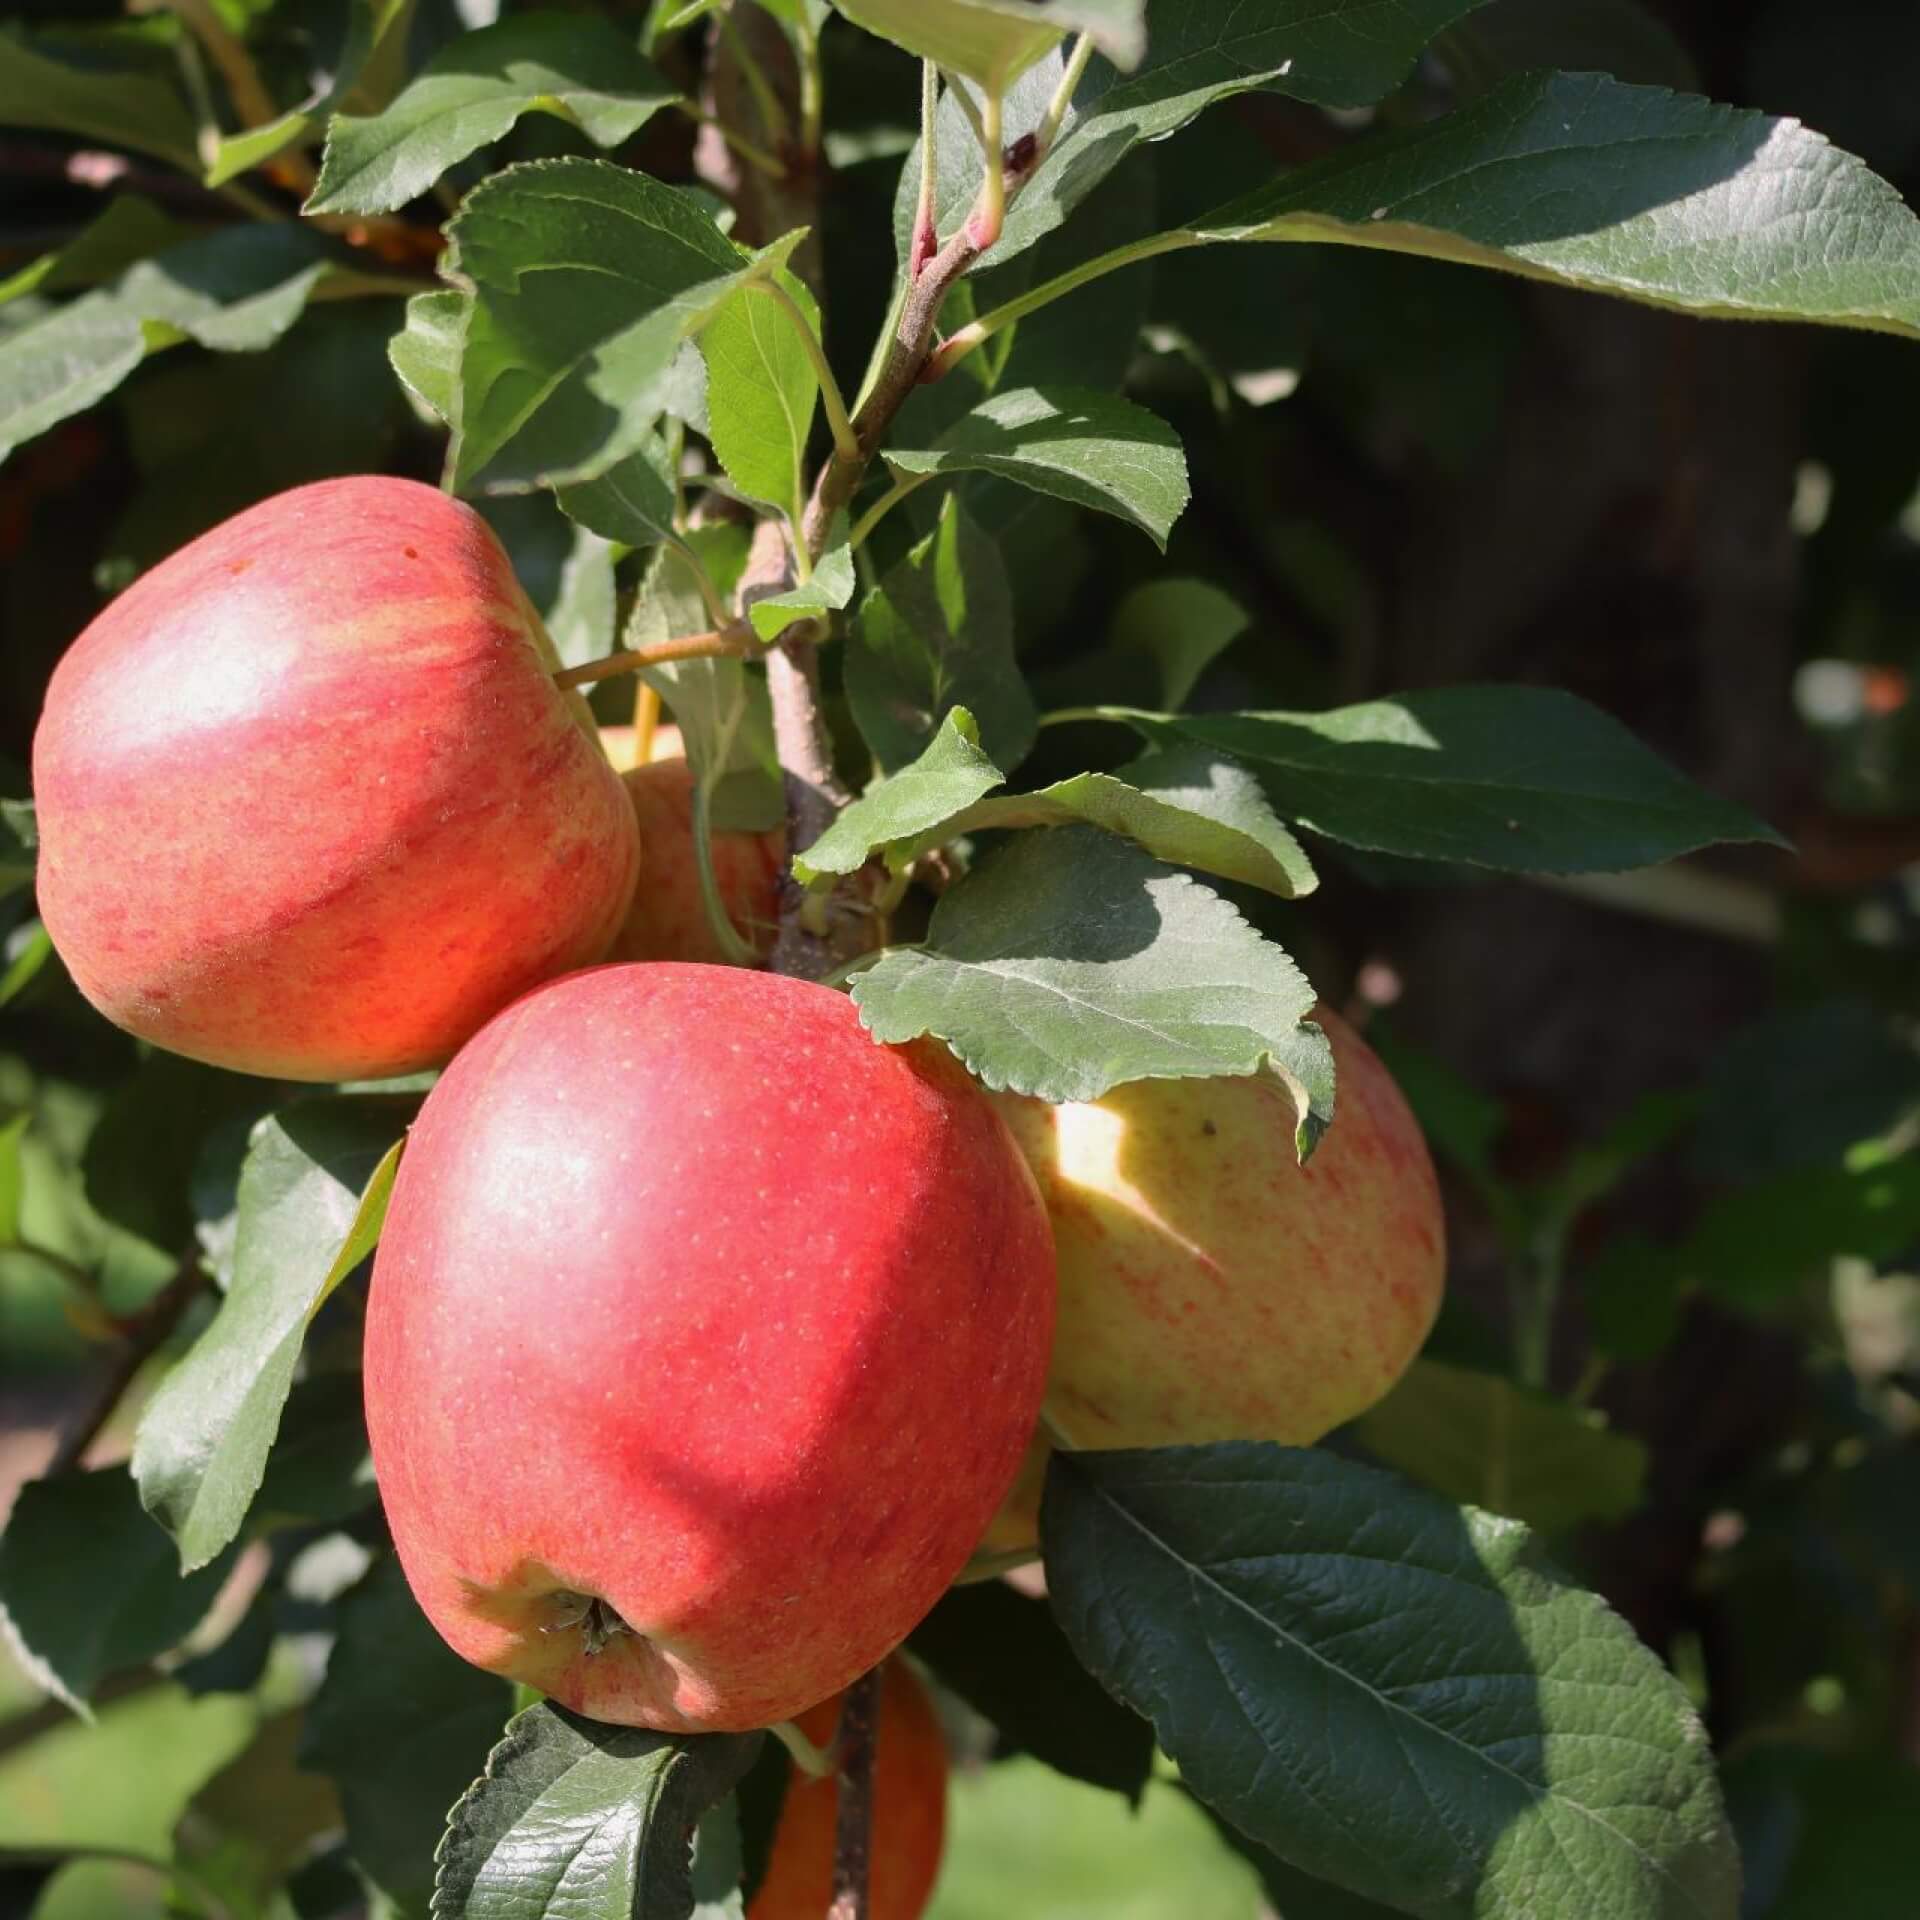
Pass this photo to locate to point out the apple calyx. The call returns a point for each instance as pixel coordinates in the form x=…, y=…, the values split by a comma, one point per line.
x=599, y=1624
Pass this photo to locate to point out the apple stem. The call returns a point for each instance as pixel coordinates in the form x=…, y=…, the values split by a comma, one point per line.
x=853, y=1824
x=726, y=644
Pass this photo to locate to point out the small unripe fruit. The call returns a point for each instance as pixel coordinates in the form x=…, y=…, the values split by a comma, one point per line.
x=668, y=918
x=310, y=803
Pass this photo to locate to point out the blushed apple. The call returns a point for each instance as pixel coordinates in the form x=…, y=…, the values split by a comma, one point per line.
x=668, y=919
x=704, y=1338
x=1211, y=1287
x=909, y=1813
x=310, y=803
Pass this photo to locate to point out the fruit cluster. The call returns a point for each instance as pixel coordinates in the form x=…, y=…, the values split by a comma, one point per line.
x=708, y=1341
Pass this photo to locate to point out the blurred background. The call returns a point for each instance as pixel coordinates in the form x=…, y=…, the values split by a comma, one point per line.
x=1675, y=1111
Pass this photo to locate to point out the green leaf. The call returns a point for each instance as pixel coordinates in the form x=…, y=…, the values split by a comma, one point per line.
x=129, y=230
x=587, y=278
x=1188, y=807
x=991, y=42
x=319, y=1472
x=1071, y=961
x=12, y=1175
x=828, y=588
x=1518, y=1750
x=760, y=393
x=236, y=290
x=1183, y=625
x=918, y=800
x=631, y=502
x=19, y=845
x=587, y=1822
x=581, y=620
x=721, y=708
x=937, y=633
x=401, y=1725
x=28, y=958
x=1093, y=449
x=1522, y=779
x=123, y=108
x=1334, y=53
x=1580, y=180
x=425, y=353
x=1006, y=1657
x=1478, y=1438
x=90, y=1586
x=313, y=1194
x=581, y=69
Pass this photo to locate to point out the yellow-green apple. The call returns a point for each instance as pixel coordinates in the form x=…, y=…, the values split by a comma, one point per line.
x=668, y=919
x=909, y=1813
x=1211, y=1288
x=310, y=802
x=704, y=1338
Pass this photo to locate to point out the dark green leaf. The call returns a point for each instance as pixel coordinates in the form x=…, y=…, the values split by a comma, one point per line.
x=631, y=502
x=236, y=290
x=1524, y=779
x=1004, y=1655
x=124, y=108
x=19, y=845
x=582, y=69
x=1621, y=37
x=584, y=1821
x=588, y=278
x=1335, y=53
x=937, y=633
x=90, y=1586
x=1093, y=449
x=1394, y=1695
x=1071, y=961
x=129, y=230
x=318, y=1473
x=401, y=1725
x=312, y=1197
x=1185, y=625
x=1480, y=1439
x=1663, y=197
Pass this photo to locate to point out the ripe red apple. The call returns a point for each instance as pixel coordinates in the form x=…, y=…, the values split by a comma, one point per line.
x=909, y=1813
x=310, y=804
x=1211, y=1287
x=704, y=1338
x=668, y=919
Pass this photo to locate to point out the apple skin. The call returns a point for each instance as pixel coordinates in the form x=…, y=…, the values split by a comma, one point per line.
x=668, y=920
x=1211, y=1288
x=310, y=804
x=909, y=1813
x=694, y=1299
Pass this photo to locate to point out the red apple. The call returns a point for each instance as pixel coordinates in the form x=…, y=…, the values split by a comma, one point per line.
x=705, y=1336
x=310, y=803
x=1211, y=1287
x=668, y=919
x=909, y=1813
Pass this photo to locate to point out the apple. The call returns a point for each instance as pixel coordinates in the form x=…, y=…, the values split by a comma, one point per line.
x=1211, y=1287
x=668, y=919
x=909, y=1813
x=310, y=804
x=703, y=1341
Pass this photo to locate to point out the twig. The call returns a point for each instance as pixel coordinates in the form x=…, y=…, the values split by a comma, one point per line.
x=728, y=644
x=853, y=1824
x=143, y=1336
